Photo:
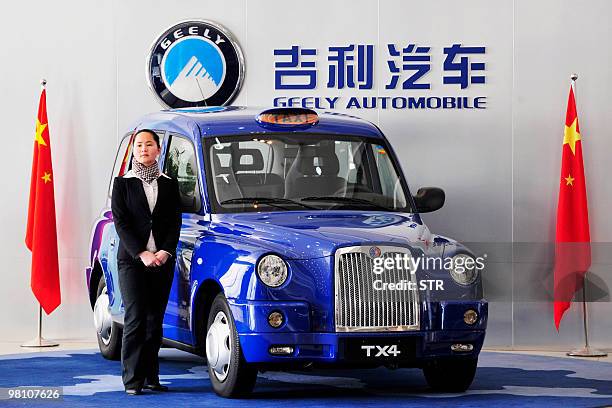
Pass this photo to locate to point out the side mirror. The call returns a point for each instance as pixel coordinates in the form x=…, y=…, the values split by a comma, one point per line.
x=429, y=199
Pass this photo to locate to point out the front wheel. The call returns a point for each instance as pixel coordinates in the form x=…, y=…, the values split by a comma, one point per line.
x=230, y=375
x=108, y=332
x=450, y=375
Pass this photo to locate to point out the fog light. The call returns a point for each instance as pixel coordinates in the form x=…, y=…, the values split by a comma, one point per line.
x=470, y=316
x=275, y=319
x=462, y=347
x=281, y=350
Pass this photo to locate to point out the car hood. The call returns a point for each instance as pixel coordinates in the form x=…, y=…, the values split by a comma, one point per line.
x=307, y=235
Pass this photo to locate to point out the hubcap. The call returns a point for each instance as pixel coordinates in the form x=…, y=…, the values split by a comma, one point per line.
x=219, y=346
x=102, y=318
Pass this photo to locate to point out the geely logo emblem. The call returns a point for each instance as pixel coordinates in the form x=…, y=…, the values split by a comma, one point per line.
x=195, y=63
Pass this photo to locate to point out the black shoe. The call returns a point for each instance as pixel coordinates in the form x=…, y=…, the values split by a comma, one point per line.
x=133, y=391
x=156, y=387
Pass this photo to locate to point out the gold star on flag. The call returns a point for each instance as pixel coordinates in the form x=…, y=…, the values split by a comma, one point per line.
x=571, y=135
x=40, y=128
x=46, y=177
x=569, y=180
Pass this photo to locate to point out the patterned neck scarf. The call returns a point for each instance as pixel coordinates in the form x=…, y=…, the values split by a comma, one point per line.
x=145, y=173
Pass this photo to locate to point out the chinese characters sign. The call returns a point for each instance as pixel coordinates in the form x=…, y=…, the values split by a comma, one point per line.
x=406, y=70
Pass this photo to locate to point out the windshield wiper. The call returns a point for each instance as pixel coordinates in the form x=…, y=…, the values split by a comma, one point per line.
x=267, y=201
x=347, y=200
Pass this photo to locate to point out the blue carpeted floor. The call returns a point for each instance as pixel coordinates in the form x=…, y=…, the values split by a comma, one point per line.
x=89, y=380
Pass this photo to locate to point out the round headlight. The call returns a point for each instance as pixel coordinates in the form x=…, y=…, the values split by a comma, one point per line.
x=470, y=316
x=272, y=270
x=275, y=319
x=463, y=269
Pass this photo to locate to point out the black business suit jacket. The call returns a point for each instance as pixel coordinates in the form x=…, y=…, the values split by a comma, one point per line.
x=134, y=221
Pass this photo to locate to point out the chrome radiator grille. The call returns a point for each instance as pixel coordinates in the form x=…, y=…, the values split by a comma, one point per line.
x=358, y=306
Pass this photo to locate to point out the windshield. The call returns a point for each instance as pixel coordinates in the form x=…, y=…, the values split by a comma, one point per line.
x=285, y=172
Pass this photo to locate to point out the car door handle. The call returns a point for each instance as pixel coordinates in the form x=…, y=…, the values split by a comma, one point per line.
x=113, y=242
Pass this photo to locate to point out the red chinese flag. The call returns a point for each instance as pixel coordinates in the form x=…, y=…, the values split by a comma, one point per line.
x=572, y=243
x=41, y=235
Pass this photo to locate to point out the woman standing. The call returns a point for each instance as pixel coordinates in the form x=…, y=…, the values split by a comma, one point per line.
x=147, y=216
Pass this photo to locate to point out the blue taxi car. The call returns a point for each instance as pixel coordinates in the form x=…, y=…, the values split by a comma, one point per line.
x=293, y=221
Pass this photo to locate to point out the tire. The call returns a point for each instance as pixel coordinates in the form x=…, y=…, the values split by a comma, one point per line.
x=450, y=375
x=108, y=332
x=230, y=375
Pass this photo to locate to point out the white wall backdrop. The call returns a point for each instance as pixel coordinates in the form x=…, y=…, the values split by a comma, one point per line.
x=499, y=166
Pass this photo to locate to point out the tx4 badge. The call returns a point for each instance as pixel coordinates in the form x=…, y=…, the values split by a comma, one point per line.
x=381, y=351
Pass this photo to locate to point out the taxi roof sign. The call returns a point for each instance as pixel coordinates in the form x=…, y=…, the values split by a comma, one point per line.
x=288, y=117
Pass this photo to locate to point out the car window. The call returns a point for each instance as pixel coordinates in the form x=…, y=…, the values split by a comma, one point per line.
x=122, y=160
x=181, y=164
x=390, y=185
x=282, y=172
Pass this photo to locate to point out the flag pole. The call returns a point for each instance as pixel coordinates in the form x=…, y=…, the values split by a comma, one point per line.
x=39, y=341
x=587, y=350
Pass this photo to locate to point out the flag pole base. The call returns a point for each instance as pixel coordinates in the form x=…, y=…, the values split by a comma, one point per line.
x=40, y=342
x=587, y=352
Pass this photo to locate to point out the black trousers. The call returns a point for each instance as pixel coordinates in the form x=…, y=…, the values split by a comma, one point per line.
x=145, y=293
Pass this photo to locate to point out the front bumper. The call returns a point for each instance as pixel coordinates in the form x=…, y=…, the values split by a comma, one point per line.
x=442, y=326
